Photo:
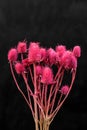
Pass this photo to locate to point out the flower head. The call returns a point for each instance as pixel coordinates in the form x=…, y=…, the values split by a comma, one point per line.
x=47, y=75
x=19, y=68
x=34, y=52
x=12, y=54
x=60, y=49
x=38, y=70
x=22, y=47
x=51, y=56
x=68, y=60
x=43, y=54
x=77, y=51
x=65, y=89
x=25, y=62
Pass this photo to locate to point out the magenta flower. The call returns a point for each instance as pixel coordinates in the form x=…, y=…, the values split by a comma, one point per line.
x=68, y=60
x=19, y=68
x=65, y=89
x=47, y=75
x=25, y=62
x=43, y=54
x=51, y=56
x=34, y=54
x=77, y=51
x=42, y=71
x=38, y=70
x=60, y=49
x=12, y=54
x=22, y=47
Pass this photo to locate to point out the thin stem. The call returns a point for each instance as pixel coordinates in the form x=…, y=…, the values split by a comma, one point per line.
x=35, y=104
x=50, y=93
x=60, y=99
x=59, y=106
x=33, y=95
x=28, y=90
x=56, y=90
x=45, y=97
x=19, y=87
x=31, y=74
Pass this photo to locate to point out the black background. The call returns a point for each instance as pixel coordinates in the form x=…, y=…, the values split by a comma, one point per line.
x=49, y=22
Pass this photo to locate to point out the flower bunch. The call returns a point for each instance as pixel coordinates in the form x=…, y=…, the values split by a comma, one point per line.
x=45, y=68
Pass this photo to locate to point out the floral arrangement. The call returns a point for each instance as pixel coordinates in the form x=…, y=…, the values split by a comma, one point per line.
x=43, y=70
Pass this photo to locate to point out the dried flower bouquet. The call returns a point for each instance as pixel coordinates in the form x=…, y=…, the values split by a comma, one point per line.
x=43, y=72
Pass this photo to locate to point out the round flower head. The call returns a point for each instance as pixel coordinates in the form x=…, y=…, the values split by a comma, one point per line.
x=22, y=47
x=43, y=54
x=65, y=89
x=51, y=56
x=19, y=68
x=38, y=70
x=34, y=52
x=60, y=49
x=68, y=60
x=77, y=51
x=25, y=62
x=47, y=76
x=12, y=54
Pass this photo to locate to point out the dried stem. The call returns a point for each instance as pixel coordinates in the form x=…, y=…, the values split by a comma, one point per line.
x=61, y=103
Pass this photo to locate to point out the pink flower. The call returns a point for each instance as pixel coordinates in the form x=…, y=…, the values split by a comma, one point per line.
x=68, y=60
x=38, y=70
x=25, y=62
x=22, y=47
x=77, y=51
x=47, y=76
x=60, y=49
x=64, y=89
x=19, y=68
x=34, y=52
x=43, y=54
x=51, y=56
x=12, y=54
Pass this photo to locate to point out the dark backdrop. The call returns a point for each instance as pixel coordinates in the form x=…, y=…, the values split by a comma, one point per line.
x=50, y=22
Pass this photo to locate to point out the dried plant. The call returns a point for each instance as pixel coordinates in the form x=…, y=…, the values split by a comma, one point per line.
x=43, y=72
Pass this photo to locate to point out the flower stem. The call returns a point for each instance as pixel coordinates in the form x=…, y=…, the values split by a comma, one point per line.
x=35, y=104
